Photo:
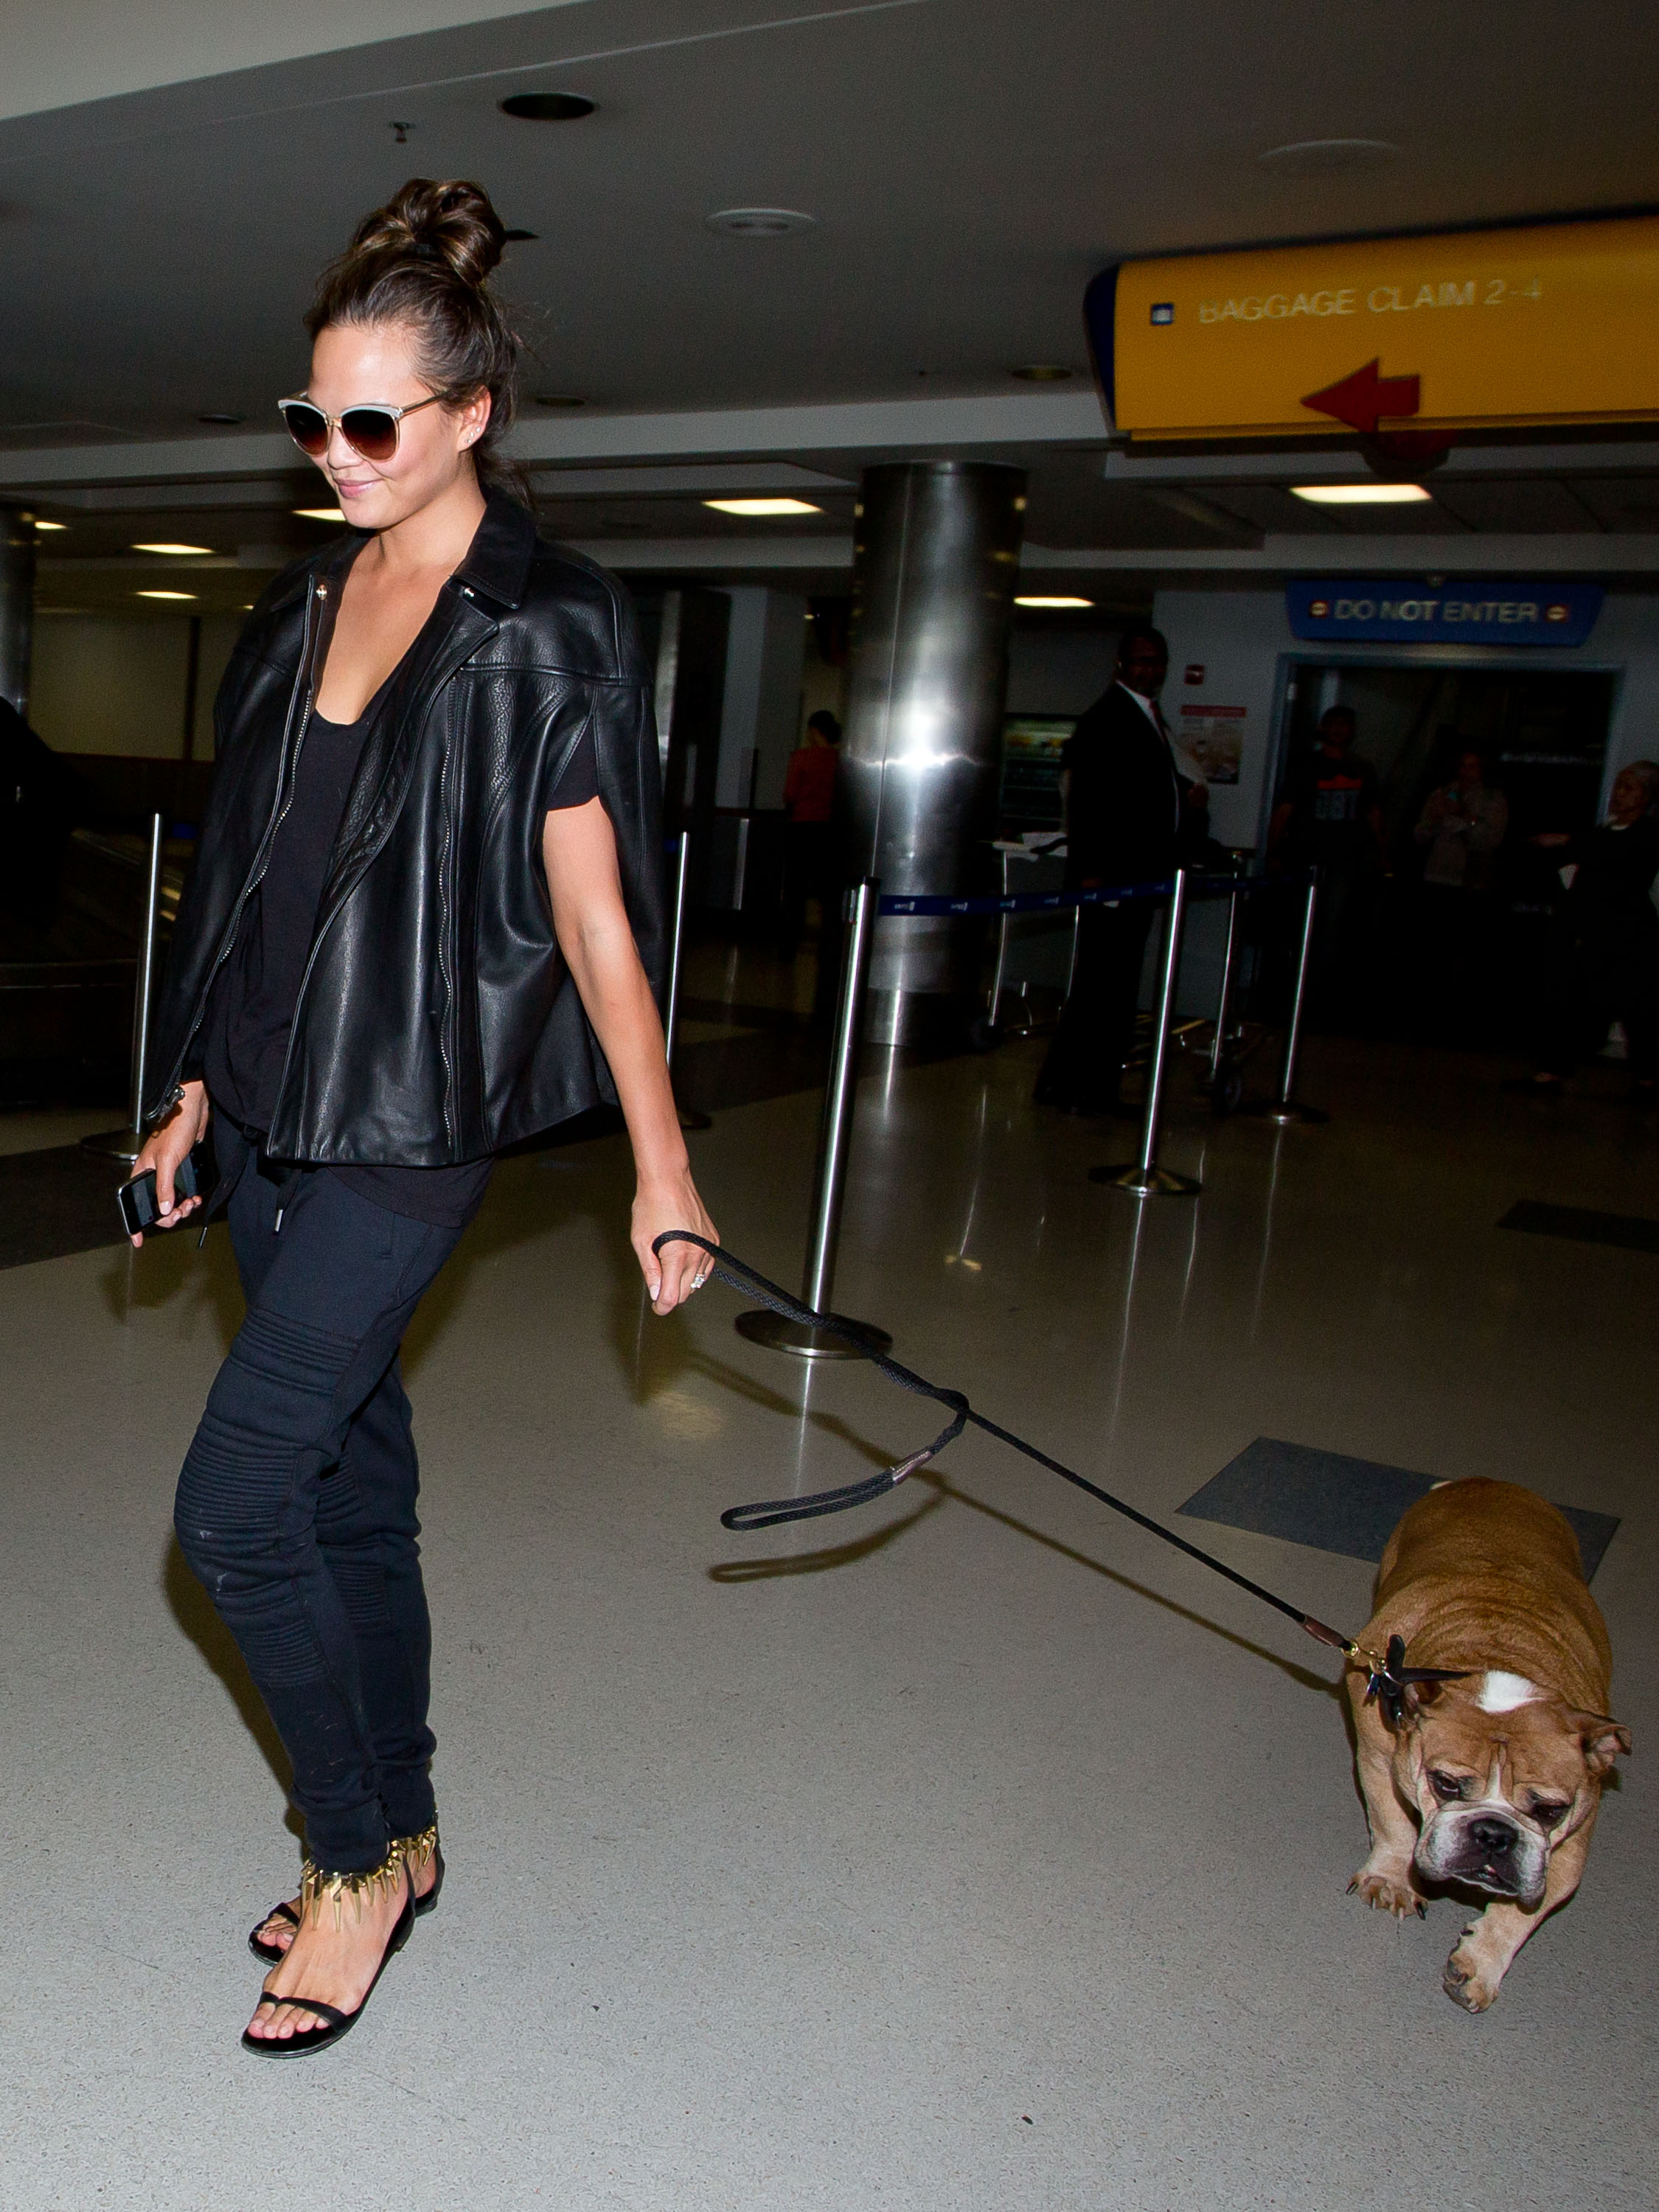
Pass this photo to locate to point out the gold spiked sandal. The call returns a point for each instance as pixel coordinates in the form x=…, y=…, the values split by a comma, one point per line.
x=418, y=1852
x=320, y=1891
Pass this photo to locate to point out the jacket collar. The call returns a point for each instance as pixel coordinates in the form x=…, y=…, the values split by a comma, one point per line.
x=497, y=562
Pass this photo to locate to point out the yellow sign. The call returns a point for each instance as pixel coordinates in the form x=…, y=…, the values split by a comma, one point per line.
x=1555, y=324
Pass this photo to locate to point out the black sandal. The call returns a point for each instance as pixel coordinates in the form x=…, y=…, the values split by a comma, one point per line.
x=314, y=1887
x=415, y=1850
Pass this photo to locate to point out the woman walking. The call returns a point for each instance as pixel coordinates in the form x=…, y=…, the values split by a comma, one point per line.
x=424, y=922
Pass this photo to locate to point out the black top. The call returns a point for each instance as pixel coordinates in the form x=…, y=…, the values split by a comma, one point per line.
x=1124, y=800
x=1332, y=801
x=1610, y=906
x=250, y=1012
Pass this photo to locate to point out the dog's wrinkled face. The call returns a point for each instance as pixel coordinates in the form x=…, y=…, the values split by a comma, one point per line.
x=1500, y=1772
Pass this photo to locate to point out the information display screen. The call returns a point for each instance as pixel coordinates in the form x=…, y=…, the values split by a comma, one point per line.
x=1558, y=323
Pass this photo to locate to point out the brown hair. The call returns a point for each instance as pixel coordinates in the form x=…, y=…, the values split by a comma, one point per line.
x=424, y=258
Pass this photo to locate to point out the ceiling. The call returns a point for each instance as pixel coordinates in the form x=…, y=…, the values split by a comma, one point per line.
x=167, y=198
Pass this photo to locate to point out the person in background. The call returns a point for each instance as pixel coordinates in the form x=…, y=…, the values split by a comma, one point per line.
x=38, y=802
x=1462, y=827
x=1604, y=963
x=809, y=798
x=1328, y=817
x=1129, y=812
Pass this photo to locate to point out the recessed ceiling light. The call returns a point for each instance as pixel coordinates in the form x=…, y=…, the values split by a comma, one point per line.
x=173, y=549
x=759, y=222
x=1052, y=600
x=763, y=505
x=1043, y=372
x=164, y=595
x=227, y=421
x=559, y=399
x=1326, y=157
x=321, y=513
x=548, y=106
x=40, y=524
x=1360, y=495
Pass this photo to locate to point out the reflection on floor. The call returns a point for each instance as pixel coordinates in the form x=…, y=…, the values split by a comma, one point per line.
x=978, y=1853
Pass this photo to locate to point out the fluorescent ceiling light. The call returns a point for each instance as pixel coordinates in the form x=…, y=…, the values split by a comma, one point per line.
x=321, y=513
x=173, y=549
x=39, y=525
x=1050, y=599
x=164, y=595
x=1360, y=495
x=763, y=505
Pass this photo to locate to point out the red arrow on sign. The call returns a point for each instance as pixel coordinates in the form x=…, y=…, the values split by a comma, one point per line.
x=1362, y=399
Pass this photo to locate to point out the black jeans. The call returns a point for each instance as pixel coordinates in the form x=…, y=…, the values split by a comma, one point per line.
x=1097, y=1029
x=1587, y=987
x=296, y=1503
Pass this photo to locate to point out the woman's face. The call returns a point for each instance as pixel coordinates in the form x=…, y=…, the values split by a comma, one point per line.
x=357, y=365
x=1629, y=799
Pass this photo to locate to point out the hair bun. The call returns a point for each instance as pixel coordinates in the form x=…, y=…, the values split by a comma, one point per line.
x=451, y=222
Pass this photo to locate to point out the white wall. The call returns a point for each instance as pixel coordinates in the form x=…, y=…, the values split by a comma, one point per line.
x=765, y=655
x=115, y=684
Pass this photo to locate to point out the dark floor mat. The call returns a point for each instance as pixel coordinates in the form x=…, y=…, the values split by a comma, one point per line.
x=1630, y=1232
x=56, y=1202
x=1336, y=1504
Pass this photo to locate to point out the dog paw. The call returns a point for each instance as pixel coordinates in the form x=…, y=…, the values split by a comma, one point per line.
x=1466, y=1981
x=1387, y=1894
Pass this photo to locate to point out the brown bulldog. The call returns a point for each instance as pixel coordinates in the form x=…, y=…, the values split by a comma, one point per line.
x=1492, y=1783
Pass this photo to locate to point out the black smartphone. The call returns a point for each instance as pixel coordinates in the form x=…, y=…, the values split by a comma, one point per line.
x=136, y=1199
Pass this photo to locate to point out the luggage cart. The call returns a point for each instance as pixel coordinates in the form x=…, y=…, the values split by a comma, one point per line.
x=1033, y=950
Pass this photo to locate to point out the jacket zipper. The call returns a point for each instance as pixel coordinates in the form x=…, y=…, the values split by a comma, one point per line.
x=279, y=809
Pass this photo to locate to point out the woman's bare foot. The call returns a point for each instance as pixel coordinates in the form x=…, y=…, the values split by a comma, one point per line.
x=278, y=1932
x=336, y=1965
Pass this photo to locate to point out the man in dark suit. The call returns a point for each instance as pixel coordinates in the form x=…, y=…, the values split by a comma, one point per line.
x=1126, y=809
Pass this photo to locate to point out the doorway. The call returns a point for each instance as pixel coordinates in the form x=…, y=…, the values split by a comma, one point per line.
x=1455, y=964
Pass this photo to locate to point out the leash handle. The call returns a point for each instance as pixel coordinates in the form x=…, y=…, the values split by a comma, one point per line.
x=769, y=1512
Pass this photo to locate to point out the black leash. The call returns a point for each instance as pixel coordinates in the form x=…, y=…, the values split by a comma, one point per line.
x=1388, y=1675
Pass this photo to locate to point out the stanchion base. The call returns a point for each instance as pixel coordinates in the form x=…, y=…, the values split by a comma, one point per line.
x=115, y=1144
x=1284, y=1115
x=689, y=1118
x=779, y=1333
x=1147, y=1182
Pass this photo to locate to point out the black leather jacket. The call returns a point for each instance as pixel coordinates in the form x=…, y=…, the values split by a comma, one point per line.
x=436, y=1021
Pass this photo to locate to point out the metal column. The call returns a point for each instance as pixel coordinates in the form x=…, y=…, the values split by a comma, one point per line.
x=936, y=554
x=16, y=603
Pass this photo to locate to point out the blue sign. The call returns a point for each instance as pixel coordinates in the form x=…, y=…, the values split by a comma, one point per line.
x=1390, y=612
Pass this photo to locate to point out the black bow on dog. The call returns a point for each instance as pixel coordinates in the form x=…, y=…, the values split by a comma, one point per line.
x=1390, y=1678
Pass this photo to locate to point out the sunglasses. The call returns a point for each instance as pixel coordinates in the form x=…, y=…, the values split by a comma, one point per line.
x=371, y=432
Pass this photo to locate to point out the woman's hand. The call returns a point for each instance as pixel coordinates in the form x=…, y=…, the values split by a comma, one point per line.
x=670, y=1203
x=167, y=1148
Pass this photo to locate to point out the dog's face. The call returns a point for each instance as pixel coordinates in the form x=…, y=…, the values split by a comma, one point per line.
x=1500, y=1772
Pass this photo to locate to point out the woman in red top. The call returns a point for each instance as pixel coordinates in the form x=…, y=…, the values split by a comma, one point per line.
x=809, y=798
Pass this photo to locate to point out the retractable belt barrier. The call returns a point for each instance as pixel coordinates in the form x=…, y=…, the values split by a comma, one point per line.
x=1099, y=895
x=1388, y=1675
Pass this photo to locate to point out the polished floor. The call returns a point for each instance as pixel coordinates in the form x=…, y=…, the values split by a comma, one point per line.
x=973, y=1854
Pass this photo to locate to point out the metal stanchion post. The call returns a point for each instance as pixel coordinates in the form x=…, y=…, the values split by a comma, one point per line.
x=1143, y=1175
x=1284, y=1108
x=835, y=1139
x=126, y=1143
x=1224, y=1004
x=689, y=1118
